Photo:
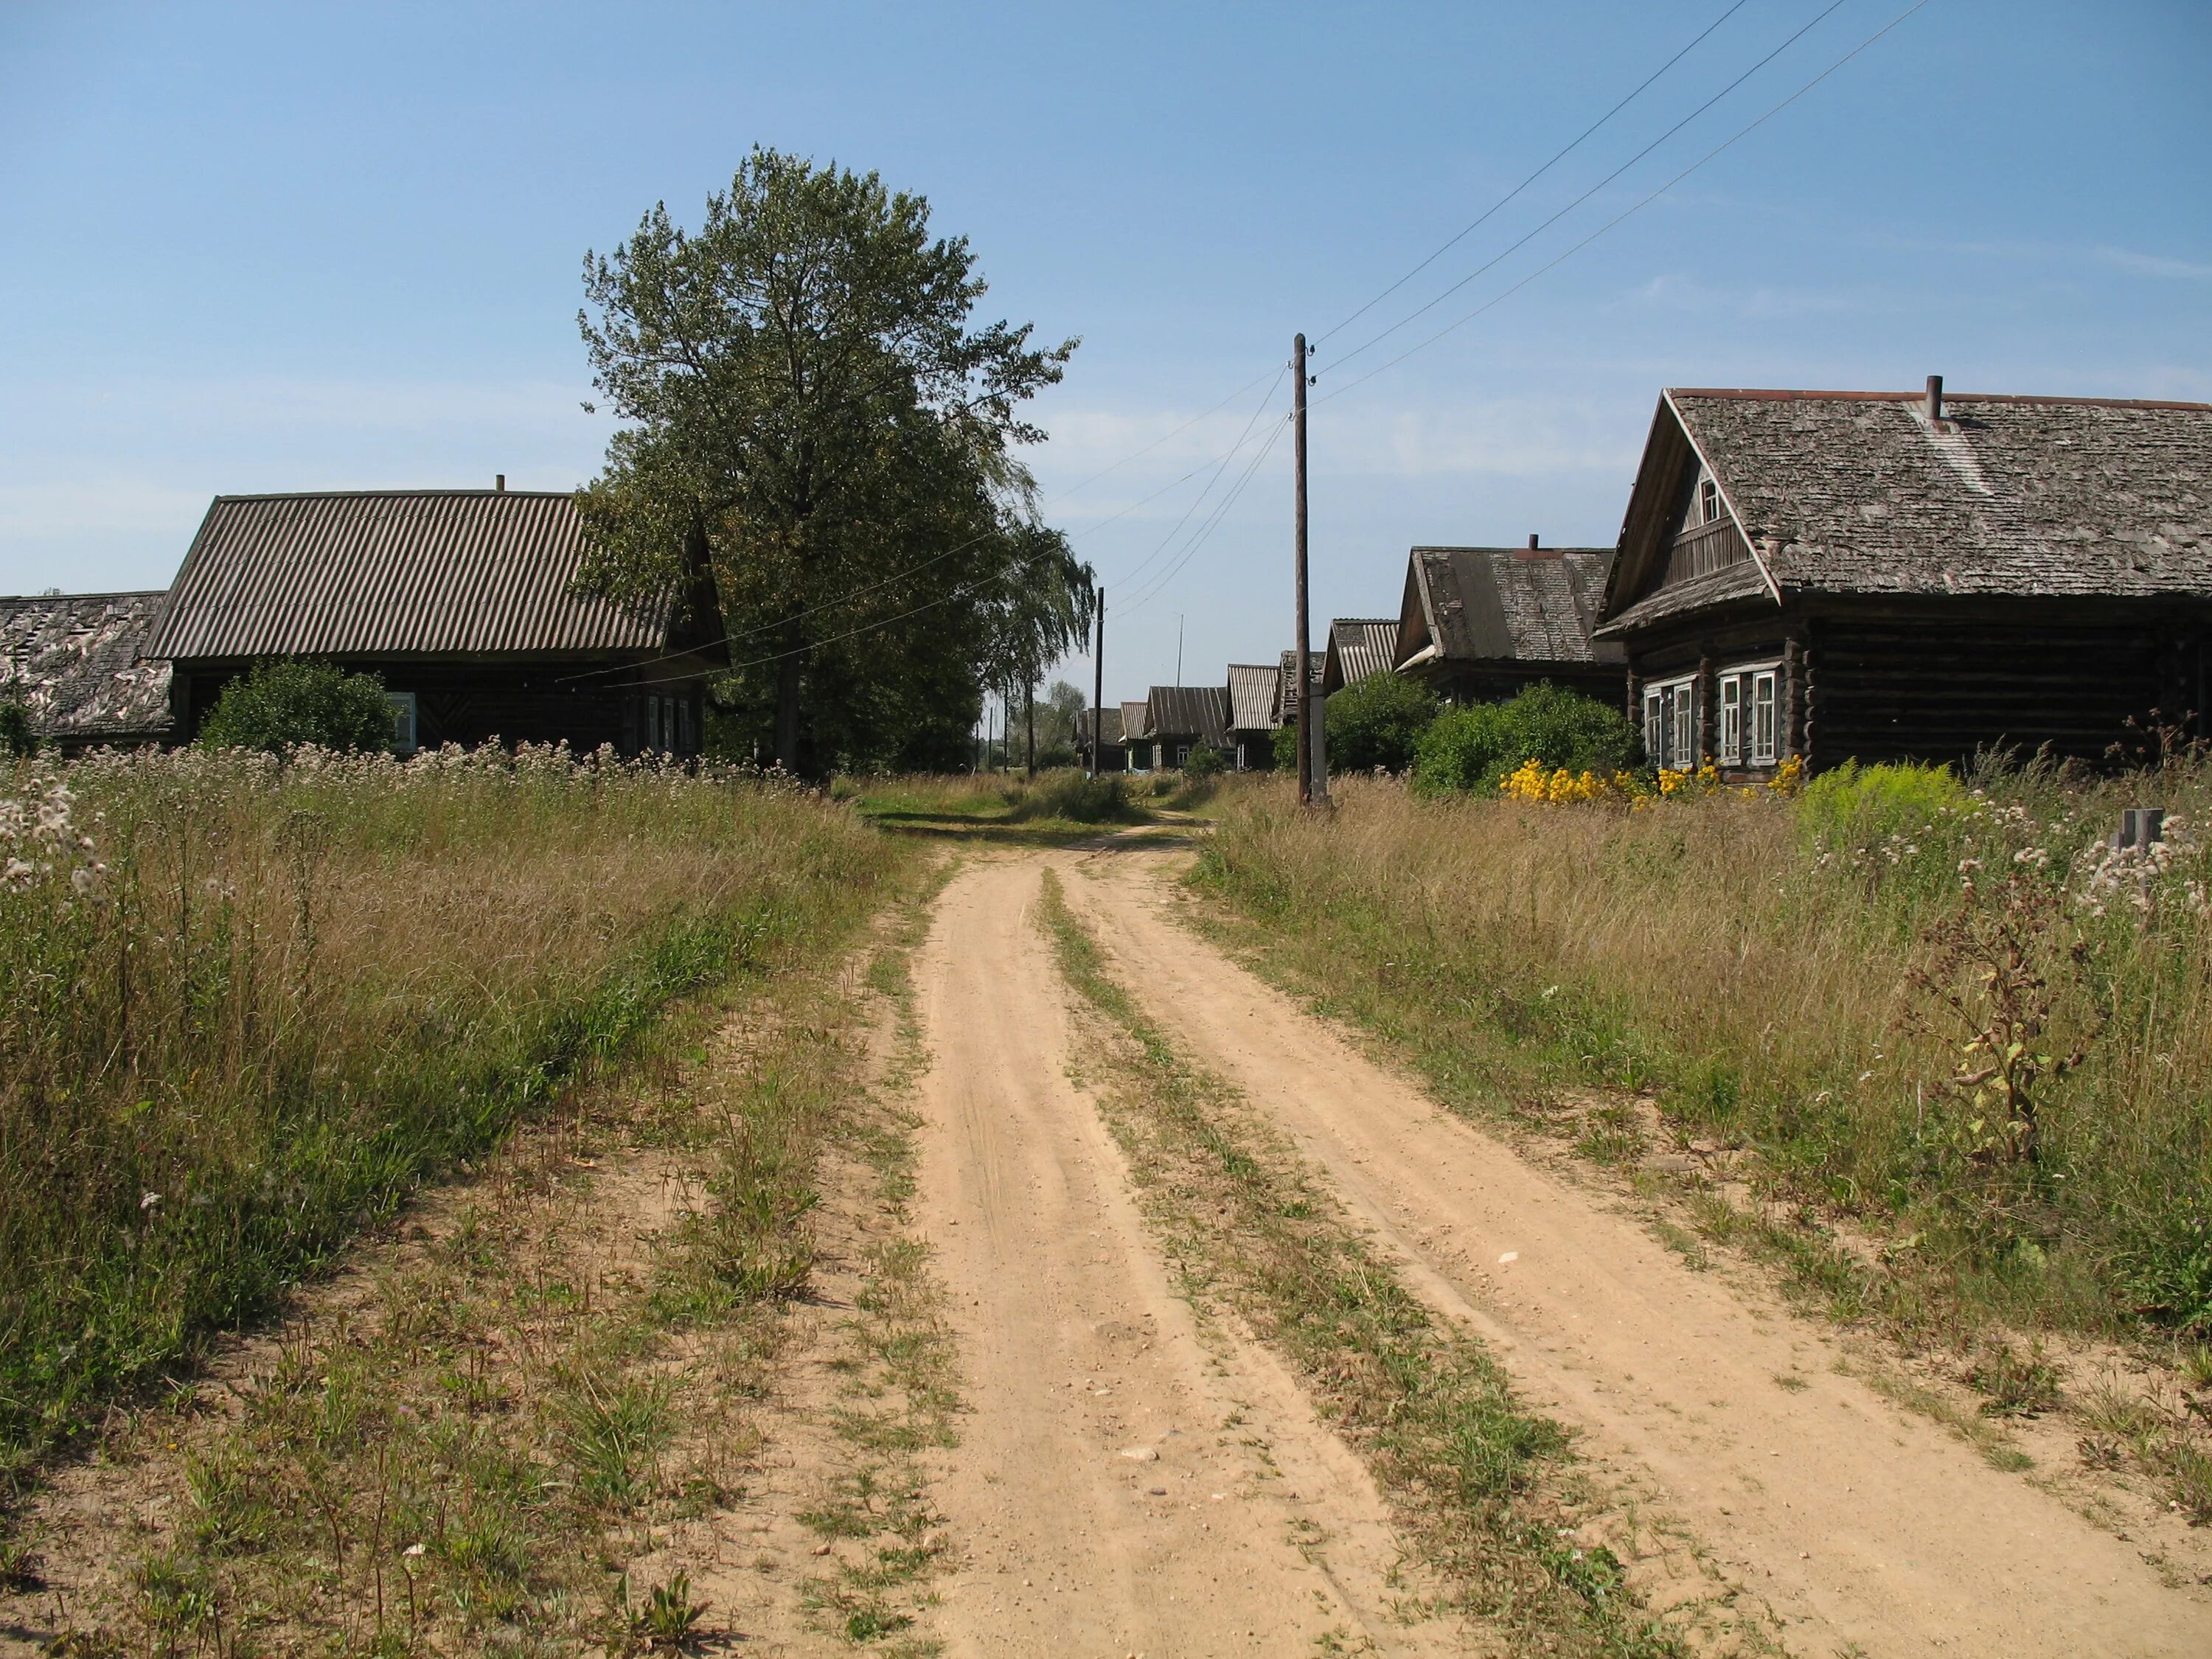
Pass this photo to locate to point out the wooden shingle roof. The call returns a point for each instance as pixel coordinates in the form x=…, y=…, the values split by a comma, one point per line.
x=74, y=662
x=427, y=573
x=1505, y=605
x=1857, y=492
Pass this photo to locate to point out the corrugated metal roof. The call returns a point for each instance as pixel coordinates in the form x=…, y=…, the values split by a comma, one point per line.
x=1189, y=711
x=1132, y=720
x=426, y=573
x=1252, y=696
x=1358, y=647
x=72, y=660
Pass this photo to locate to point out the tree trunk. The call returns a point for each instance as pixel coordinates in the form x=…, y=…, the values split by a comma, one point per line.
x=788, y=674
x=1030, y=694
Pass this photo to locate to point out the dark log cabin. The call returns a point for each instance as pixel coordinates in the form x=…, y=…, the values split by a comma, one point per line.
x=464, y=602
x=1479, y=624
x=1181, y=718
x=1885, y=576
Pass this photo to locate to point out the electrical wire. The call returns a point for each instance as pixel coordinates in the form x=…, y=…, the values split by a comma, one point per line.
x=1515, y=247
x=1630, y=212
x=1160, y=585
x=1558, y=156
x=1176, y=529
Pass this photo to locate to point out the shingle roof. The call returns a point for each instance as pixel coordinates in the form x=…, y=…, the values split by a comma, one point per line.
x=1110, y=727
x=1252, y=696
x=1286, y=681
x=72, y=660
x=1507, y=604
x=404, y=573
x=1853, y=492
x=1358, y=647
x=1189, y=711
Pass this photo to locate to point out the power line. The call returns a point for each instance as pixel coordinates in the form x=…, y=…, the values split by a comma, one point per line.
x=1492, y=263
x=1558, y=156
x=1637, y=208
x=1160, y=585
x=1176, y=529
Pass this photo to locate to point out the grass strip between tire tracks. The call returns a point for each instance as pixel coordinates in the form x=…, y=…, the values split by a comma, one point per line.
x=1475, y=1476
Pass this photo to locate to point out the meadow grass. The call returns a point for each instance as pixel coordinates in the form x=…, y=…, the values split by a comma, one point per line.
x=1774, y=973
x=252, y=1004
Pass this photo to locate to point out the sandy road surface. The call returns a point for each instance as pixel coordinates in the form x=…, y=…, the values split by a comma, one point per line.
x=1242, y=1527
x=1860, y=1522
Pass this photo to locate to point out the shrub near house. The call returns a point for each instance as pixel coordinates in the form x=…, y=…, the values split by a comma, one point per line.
x=1475, y=748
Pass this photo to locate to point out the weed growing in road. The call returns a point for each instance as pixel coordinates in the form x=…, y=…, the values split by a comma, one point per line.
x=1474, y=1474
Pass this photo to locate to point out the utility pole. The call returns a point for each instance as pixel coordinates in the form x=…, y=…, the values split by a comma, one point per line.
x=1028, y=712
x=1099, y=683
x=1298, y=484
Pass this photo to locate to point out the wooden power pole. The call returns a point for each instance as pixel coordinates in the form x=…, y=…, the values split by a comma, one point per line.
x=1099, y=683
x=1299, y=476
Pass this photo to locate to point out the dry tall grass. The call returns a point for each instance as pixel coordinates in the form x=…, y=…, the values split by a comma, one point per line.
x=249, y=1005
x=1754, y=964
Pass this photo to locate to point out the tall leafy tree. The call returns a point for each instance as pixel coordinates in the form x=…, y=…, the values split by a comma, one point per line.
x=811, y=408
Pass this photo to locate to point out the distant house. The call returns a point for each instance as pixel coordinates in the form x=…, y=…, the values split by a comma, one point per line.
x=1179, y=718
x=1900, y=575
x=74, y=662
x=1479, y=624
x=1286, y=682
x=1113, y=751
x=1254, y=691
x=1136, y=737
x=1358, y=647
x=463, y=600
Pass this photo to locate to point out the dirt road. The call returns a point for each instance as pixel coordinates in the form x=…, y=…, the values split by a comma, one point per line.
x=1128, y=1480
x=1868, y=1528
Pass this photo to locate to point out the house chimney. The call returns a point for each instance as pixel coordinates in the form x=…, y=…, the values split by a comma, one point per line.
x=1934, y=398
x=1532, y=541
x=498, y=483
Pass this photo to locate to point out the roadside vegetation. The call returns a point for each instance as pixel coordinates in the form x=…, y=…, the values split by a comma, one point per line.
x=1484, y=1483
x=1052, y=807
x=254, y=1002
x=1944, y=1015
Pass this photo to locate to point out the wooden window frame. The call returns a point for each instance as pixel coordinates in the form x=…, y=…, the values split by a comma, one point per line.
x=1731, y=733
x=1766, y=722
x=1670, y=740
x=405, y=729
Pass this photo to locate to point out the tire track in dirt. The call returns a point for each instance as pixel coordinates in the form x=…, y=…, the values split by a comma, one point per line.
x=1859, y=1522
x=1242, y=1526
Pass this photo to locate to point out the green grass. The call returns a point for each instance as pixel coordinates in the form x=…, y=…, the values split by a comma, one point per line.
x=267, y=1001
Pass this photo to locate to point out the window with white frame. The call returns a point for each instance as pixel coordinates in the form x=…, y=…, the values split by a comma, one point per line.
x=1709, y=500
x=1183, y=754
x=1670, y=724
x=403, y=721
x=1763, y=723
x=1731, y=722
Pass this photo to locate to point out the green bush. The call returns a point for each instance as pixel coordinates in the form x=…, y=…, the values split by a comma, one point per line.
x=1204, y=761
x=1377, y=723
x=279, y=704
x=1069, y=794
x=1855, y=806
x=1473, y=747
x=1287, y=747
x=16, y=738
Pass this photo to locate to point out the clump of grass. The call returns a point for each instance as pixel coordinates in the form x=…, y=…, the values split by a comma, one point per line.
x=253, y=1001
x=2017, y=1384
x=1752, y=965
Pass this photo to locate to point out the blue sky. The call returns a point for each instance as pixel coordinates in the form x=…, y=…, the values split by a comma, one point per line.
x=262, y=248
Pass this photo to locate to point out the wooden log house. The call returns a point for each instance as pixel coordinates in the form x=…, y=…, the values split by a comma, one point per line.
x=1477, y=624
x=1885, y=576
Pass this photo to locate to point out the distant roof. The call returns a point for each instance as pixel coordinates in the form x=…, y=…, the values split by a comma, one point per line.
x=1855, y=492
x=1506, y=605
x=1252, y=701
x=1286, y=681
x=428, y=572
x=72, y=660
x=1132, y=720
x=1109, y=726
x=1189, y=711
x=1358, y=647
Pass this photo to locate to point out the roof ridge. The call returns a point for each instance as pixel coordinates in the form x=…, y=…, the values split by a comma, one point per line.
x=1788, y=395
x=109, y=593
x=363, y=494
x=1522, y=547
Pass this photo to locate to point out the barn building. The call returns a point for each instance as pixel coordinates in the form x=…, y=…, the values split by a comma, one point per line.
x=75, y=663
x=1477, y=624
x=1906, y=576
x=464, y=602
